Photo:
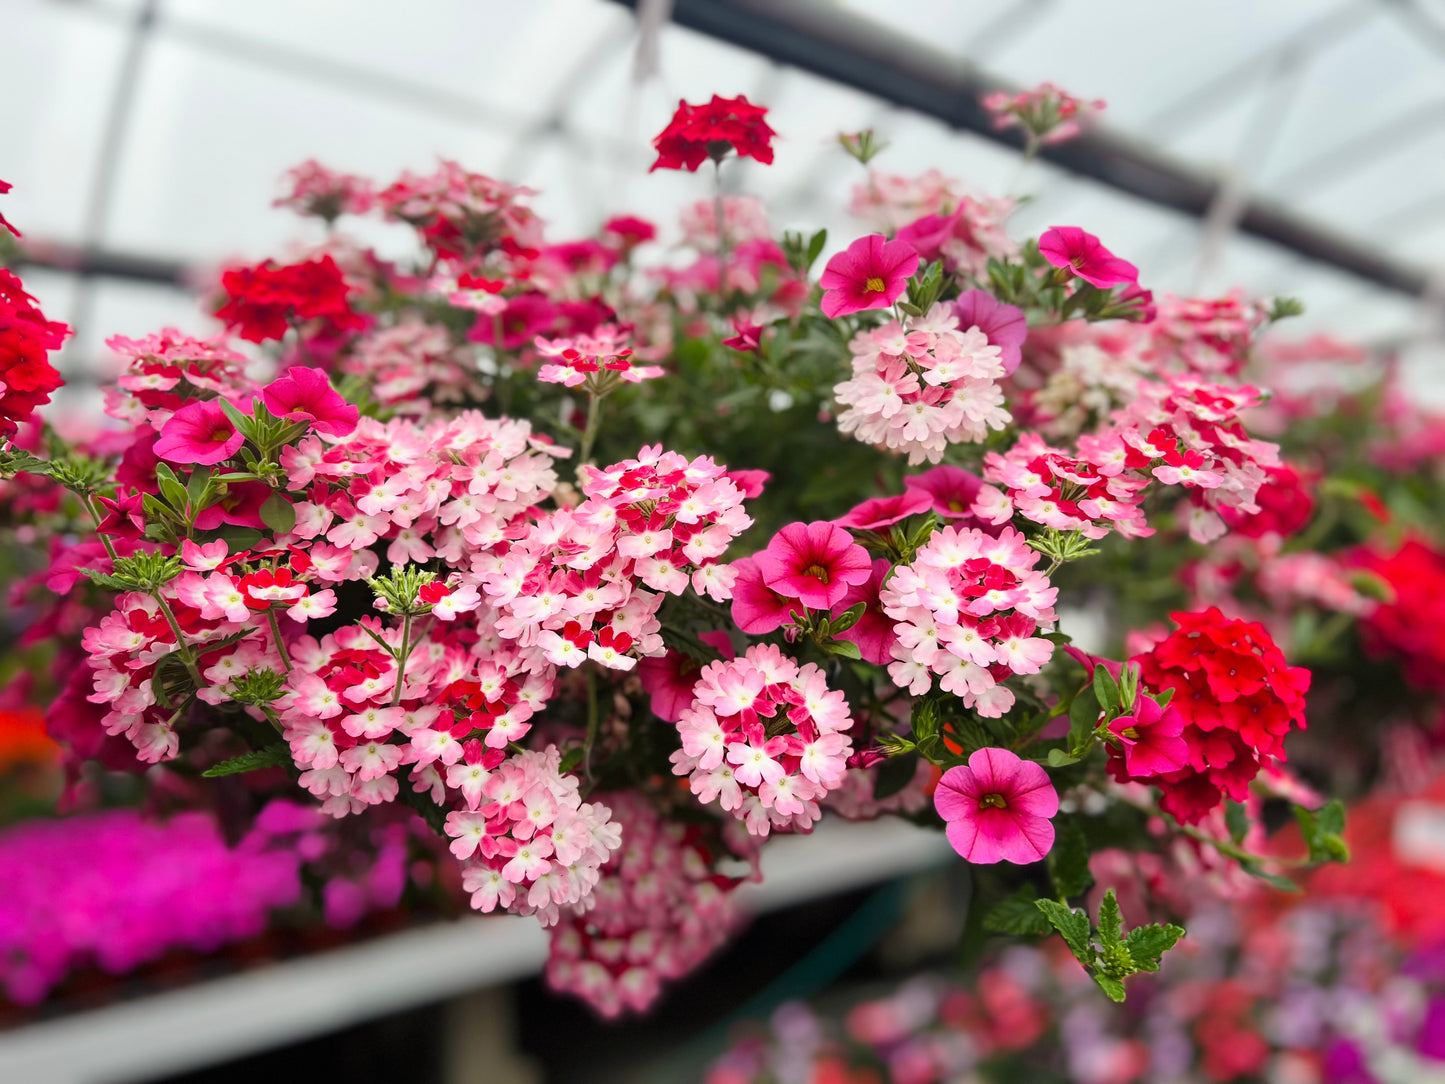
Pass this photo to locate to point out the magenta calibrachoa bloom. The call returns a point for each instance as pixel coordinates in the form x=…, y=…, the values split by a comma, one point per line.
x=871, y=273
x=998, y=808
x=814, y=563
x=1073, y=250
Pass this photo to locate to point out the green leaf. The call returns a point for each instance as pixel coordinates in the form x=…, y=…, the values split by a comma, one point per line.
x=1073, y=926
x=1321, y=830
x=1068, y=860
x=244, y=425
x=196, y=487
x=1110, y=985
x=571, y=758
x=269, y=756
x=816, y=245
x=279, y=514
x=1147, y=944
x=847, y=619
x=1284, y=884
x=1060, y=759
x=1083, y=716
x=1106, y=690
x=894, y=774
x=1236, y=817
x=1111, y=922
x=846, y=648
x=1017, y=916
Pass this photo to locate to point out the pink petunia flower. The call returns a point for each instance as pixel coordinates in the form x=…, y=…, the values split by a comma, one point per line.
x=1152, y=739
x=1085, y=255
x=871, y=273
x=814, y=563
x=306, y=395
x=757, y=609
x=952, y=490
x=199, y=433
x=877, y=513
x=998, y=808
x=1004, y=324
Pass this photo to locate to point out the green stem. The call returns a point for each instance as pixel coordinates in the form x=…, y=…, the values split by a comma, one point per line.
x=276, y=635
x=594, y=422
x=183, y=649
x=401, y=657
x=592, y=723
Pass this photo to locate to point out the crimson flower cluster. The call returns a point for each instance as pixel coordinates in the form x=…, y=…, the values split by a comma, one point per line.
x=264, y=301
x=1237, y=698
x=1410, y=623
x=699, y=132
x=27, y=338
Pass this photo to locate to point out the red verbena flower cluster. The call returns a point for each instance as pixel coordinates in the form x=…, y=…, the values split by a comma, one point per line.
x=1237, y=697
x=699, y=132
x=264, y=301
x=26, y=341
x=1410, y=624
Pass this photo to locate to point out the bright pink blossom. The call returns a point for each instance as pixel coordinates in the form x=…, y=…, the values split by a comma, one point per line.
x=952, y=489
x=876, y=513
x=814, y=563
x=871, y=273
x=1085, y=255
x=998, y=808
x=199, y=433
x=757, y=608
x=1004, y=324
x=873, y=632
x=1150, y=739
x=306, y=395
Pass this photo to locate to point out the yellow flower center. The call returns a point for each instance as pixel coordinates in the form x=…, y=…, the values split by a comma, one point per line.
x=992, y=801
x=874, y=285
x=818, y=572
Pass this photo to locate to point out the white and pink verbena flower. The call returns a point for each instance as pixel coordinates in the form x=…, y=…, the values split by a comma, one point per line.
x=966, y=609
x=765, y=738
x=920, y=386
x=592, y=360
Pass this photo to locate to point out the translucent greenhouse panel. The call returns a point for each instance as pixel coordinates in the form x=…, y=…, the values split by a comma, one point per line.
x=64, y=63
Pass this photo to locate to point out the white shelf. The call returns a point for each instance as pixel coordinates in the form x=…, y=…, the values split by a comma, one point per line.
x=223, y=1019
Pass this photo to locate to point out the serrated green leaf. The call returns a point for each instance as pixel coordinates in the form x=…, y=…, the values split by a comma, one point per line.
x=1017, y=916
x=279, y=514
x=1068, y=859
x=1147, y=944
x=1110, y=985
x=1111, y=922
x=1073, y=926
x=894, y=774
x=1236, y=817
x=269, y=756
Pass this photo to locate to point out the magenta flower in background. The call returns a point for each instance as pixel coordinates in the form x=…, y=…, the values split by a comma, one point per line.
x=873, y=633
x=926, y=235
x=306, y=395
x=1004, y=324
x=878, y=512
x=1085, y=255
x=871, y=273
x=757, y=609
x=199, y=433
x=1152, y=739
x=814, y=563
x=669, y=678
x=951, y=489
x=997, y=808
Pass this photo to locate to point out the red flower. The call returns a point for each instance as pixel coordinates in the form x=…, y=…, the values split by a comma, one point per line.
x=26, y=340
x=1085, y=255
x=1409, y=626
x=263, y=301
x=699, y=132
x=749, y=338
x=1285, y=506
x=1237, y=697
x=628, y=231
x=4, y=187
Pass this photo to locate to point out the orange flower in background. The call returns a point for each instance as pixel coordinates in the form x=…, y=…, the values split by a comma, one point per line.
x=23, y=740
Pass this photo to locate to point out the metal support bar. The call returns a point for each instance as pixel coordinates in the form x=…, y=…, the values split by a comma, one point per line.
x=868, y=56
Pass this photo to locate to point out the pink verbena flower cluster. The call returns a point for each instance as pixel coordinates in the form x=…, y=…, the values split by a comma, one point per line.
x=461, y=214
x=765, y=738
x=1048, y=113
x=594, y=360
x=966, y=609
x=922, y=385
x=941, y=220
x=166, y=370
x=659, y=910
x=313, y=189
x=1178, y=431
x=533, y=845
x=586, y=582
